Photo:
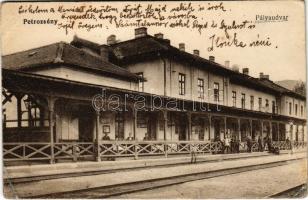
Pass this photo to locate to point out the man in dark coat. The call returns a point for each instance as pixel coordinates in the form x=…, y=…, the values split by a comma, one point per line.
x=249, y=144
x=260, y=144
x=269, y=144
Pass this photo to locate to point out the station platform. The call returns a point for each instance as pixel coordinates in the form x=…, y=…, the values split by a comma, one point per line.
x=12, y=172
x=137, y=174
x=28, y=171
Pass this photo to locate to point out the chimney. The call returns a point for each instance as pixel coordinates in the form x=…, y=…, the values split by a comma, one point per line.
x=167, y=41
x=159, y=35
x=212, y=58
x=246, y=71
x=196, y=52
x=182, y=46
x=264, y=76
x=104, y=52
x=111, y=39
x=235, y=68
x=227, y=63
x=140, y=32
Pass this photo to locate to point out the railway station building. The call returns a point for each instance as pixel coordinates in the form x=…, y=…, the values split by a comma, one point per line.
x=64, y=99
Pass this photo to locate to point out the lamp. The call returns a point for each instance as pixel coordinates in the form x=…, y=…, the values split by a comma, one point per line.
x=28, y=103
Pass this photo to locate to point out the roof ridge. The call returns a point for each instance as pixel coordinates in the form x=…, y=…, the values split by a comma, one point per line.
x=36, y=48
x=98, y=57
x=98, y=45
x=126, y=41
x=84, y=41
x=112, y=69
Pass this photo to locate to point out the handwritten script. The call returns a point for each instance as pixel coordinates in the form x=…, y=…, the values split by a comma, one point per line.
x=177, y=15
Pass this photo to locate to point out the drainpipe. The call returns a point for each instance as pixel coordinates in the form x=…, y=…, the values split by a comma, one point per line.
x=170, y=80
x=165, y=93
x=165, y=74
x=208, y=86
x=223, y=89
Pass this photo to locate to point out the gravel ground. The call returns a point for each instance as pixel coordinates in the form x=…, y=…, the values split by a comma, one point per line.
x=252, y=184
x=197, y=190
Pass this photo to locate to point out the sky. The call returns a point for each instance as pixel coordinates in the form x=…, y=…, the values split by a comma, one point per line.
x=284, y=59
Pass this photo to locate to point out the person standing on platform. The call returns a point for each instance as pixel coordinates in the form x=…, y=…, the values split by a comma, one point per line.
x=227, y=145
x=260, y=144
x=193, y=154
x=237, y=145
x=146, y=137
x=269, y=144
x=232, y=144
x=128, y=146
x=146, y=146
x=249, y=144
x=289, y=145
x=106, y=137
x=130, y=137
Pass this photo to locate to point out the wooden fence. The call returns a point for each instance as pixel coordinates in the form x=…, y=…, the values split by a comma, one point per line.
x=106, y=149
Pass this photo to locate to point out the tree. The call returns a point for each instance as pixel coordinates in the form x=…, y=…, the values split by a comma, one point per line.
x=300, y=88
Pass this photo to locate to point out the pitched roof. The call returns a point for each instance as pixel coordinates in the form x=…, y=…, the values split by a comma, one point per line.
x=80, y=42
x=63, y=53
x=133, y=50
x=138, y=46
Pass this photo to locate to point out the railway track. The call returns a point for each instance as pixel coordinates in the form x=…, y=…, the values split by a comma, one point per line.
x=116, y=190
x=299, y=191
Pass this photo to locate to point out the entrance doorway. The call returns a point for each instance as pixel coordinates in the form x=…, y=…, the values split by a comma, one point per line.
x=216, y=124
x=181, y=125
x=151, y=128
x=85, y=128
x=119, y=126
x=296, y=133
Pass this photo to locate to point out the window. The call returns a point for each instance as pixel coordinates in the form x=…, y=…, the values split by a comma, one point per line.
x=181, y=84
x=200, y=88
x=260, y=104
x=295, y=110
x=302, y=111
x=216, y=92
x=290, y=108
x=34, y=116
x=140, y=82
x=243, y=100
x=266, y=104
x=273, y=107
x=234, y=98
x=34, y=111
x=252, y=102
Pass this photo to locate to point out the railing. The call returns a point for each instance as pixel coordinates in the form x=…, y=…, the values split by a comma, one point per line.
x=106, y=149
x=299, y=144
x=132, y=148
x=244, y=147
x=42, y=151
x=26, y=151
x=282, y=145
x=74, y=150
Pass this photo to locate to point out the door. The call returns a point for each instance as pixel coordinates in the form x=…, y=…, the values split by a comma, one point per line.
x=119, y=126
x=86, y=125
x=216, y=129
x=151, y=128
x=181, y=124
